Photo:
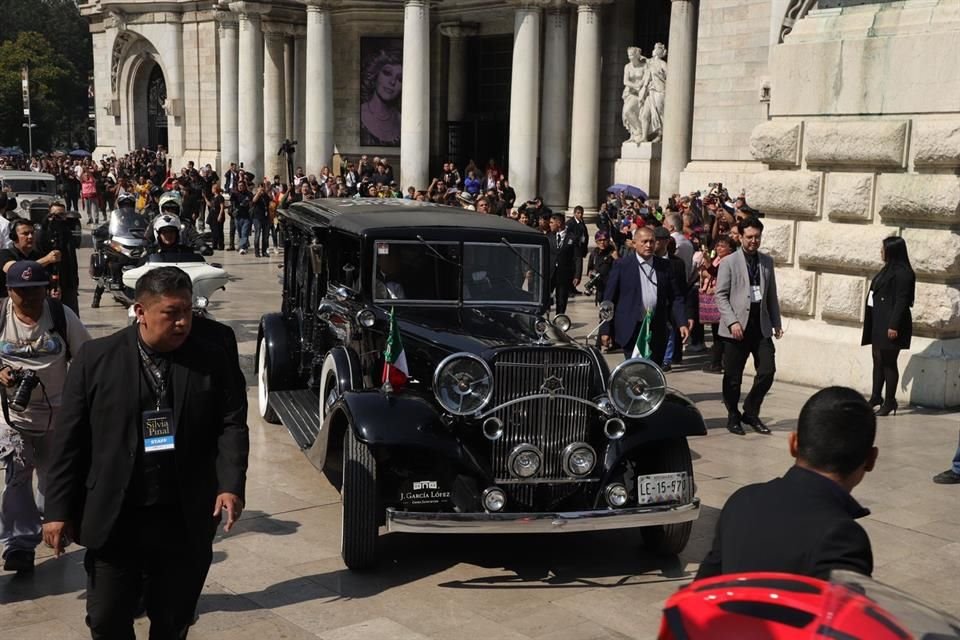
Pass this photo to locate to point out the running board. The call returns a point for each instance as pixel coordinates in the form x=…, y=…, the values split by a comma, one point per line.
x=299, y=411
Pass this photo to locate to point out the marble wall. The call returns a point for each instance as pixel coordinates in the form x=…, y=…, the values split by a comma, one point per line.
x=857, y=151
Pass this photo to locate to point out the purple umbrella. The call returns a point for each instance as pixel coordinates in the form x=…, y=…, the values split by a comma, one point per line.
x=629, y=189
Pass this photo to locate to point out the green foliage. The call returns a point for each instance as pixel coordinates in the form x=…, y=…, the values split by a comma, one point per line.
x=55, y=40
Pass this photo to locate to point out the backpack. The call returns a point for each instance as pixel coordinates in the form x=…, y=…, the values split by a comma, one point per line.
x=58, y=315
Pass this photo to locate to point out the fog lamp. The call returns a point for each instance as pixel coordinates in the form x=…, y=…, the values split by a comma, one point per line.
x=616, y=495
x=579, y=459
x=494, y=499
x=614, y=428
x=525, y=461
x=493, y=428
x=201, y=302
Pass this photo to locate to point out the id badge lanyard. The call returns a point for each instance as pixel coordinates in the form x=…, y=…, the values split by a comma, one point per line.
x=157, y=425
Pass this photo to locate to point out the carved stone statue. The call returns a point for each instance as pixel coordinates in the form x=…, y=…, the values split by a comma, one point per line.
x=644, y=84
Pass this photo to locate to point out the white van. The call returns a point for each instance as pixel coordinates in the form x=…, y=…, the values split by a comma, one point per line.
x=27, y=185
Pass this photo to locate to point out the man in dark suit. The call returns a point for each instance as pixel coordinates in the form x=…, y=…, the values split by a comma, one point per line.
x=562, y=258
x=749, y=315
x=577, y=229
x=805, y=522
x=639, y=283
x=150, y=449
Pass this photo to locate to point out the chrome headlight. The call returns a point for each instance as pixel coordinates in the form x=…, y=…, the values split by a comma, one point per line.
x=637, y=388
x=200, y=302
x=463, y=384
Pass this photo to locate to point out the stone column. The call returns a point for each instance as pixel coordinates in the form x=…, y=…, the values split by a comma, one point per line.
x=299, y=93
x=250, y=87
x=555, y=106
x=318, y=119
x=228, y=89
x=585, y=127
x=415, y=99
x=274, y=127
x=678, y=101
x=525, y=99
x=457, y=32
x=289, y=85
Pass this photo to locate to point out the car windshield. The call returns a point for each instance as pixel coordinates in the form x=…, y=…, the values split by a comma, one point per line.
x=415, y=272
x=437, y=272
x=493, y=273
x=32, y=186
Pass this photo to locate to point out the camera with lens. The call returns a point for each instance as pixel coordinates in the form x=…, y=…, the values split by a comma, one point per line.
x=592, y=284
x=25, y=381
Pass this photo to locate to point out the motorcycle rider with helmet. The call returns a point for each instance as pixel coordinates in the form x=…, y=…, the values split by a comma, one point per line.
x=166, y=235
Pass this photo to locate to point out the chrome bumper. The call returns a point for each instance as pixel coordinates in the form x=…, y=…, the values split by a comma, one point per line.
x=420, y=522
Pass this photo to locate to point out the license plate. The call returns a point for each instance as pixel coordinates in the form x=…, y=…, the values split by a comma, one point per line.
x=660, y=488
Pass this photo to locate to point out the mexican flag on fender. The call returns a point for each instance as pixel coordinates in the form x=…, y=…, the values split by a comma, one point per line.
x=642, y=348
x=395, y=372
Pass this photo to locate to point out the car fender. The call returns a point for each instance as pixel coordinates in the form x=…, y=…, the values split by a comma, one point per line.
x=282, y=353
x=678, y=416
x=385, y=420
x=346, y=368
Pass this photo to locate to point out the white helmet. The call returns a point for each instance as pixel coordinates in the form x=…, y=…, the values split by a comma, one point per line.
x=165, y=221
x=171, y=200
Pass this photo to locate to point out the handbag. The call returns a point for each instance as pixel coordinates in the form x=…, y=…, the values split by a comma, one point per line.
x=709, y=312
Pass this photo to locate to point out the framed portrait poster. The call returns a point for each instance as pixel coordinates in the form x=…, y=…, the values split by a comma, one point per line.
x=381, y=85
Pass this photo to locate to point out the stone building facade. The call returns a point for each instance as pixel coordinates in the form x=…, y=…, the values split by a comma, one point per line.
x=839, y=118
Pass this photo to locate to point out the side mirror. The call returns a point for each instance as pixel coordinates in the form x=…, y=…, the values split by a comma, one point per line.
x=606, y=310
x=101, y=233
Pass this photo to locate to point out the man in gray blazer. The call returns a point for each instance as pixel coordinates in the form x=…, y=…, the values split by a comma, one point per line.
x=749, y=316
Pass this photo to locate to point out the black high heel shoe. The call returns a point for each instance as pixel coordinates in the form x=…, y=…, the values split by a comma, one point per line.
x=875, y=401
x=886, y=408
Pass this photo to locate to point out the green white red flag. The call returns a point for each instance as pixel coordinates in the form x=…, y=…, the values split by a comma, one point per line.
x=395, y=371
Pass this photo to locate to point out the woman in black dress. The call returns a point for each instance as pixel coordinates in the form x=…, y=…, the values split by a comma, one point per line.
x=888, y=325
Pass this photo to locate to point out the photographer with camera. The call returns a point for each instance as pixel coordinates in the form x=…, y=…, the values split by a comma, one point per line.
x=24, y=236
x=60, y=232
x=38, y=337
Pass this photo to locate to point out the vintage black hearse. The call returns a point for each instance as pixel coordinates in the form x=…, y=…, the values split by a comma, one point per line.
x=505, y=424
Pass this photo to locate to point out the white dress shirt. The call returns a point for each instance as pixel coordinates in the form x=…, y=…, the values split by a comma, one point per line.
x=648, y=283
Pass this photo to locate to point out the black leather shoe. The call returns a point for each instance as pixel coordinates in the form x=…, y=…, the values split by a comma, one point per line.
x=19, y=560
x=734, y=426
x=947, y=477
x=757, y=424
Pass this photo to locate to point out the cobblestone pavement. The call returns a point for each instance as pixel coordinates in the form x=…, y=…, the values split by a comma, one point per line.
x=279, y=574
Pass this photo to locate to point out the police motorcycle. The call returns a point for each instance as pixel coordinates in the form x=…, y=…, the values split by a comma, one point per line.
x=173, y=245
x=118, y=245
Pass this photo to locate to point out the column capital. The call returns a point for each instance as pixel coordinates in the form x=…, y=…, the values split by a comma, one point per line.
x=225, y=18
x=556, y=6
x=416, y=3
x=247, y=10
x=531, y=5
x=589, y=5
x=458, y=29
x=321, y=5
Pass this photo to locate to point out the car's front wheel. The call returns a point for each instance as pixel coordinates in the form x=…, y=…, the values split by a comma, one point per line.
x=359, y=504
x=263, y=385
x=671, y=539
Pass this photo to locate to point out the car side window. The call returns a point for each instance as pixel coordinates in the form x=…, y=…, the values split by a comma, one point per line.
x=343, y=262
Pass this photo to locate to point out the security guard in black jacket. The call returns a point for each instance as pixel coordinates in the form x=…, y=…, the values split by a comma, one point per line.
x=805, y=522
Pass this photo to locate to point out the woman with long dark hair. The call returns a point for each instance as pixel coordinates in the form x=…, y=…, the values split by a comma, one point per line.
x=887, y=324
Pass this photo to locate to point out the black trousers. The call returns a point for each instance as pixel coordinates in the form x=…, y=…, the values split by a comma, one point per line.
x=735, y=354
x=561, y=293
x=147, y=554
x=716, y=353
x=70, y=298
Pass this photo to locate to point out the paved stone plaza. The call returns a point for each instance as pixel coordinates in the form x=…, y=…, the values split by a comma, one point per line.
x=279, y=574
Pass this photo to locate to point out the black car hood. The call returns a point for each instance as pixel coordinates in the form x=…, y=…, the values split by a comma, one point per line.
x=473, y=329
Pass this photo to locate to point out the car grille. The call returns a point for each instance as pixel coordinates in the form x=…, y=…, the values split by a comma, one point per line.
x=550, y=424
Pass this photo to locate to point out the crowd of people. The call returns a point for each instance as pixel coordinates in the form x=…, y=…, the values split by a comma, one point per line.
x=671, y=271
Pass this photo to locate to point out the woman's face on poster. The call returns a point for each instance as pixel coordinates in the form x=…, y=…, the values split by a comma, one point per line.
x=390, y=82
